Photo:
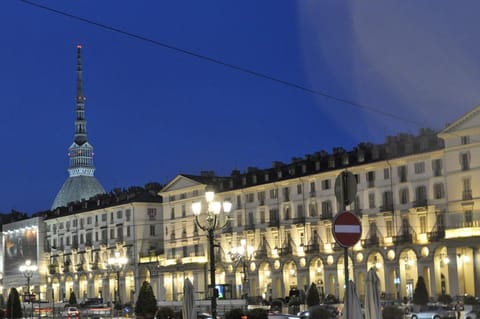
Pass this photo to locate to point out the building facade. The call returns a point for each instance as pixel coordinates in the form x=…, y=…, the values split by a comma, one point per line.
x=417, y=199
x=75, y=247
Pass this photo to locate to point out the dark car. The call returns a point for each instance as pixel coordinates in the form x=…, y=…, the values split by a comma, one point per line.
x=435, y=312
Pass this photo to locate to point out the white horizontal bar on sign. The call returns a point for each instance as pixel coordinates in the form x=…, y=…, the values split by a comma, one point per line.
x=347, y=228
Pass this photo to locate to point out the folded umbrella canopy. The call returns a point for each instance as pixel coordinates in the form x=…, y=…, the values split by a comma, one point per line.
x=372, y=296
x=187, y=306
x=352, y=309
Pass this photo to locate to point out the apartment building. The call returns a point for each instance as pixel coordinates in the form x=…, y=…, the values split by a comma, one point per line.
x=417, y=199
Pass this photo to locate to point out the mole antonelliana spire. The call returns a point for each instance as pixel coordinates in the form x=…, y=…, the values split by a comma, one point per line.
x=81, y=183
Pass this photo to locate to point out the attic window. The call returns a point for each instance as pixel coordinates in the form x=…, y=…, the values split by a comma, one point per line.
x=331, y=162
x=361, y=156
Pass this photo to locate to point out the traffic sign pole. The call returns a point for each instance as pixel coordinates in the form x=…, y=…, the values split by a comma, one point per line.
x=345, y=191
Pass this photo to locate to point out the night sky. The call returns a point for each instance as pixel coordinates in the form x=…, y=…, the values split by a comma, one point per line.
x=168, y=93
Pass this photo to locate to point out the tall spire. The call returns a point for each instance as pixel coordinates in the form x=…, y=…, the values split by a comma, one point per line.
x=81, y=183
x=80, y=123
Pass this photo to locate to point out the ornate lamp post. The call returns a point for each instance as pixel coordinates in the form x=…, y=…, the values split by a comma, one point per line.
x=210, y=224
x=28, y=270
x=117, y=263
x=243, y=254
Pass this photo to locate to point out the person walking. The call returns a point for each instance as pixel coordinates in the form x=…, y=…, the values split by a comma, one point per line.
x=458, y=309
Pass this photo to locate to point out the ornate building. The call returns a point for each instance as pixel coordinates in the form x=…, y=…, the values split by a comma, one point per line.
x=418, y=201
x=81, y=183
x=82, y=241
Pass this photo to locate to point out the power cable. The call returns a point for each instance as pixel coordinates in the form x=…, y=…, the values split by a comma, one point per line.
x=225, y=64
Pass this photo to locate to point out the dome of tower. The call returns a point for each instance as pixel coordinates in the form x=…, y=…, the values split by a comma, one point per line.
x=77, y=188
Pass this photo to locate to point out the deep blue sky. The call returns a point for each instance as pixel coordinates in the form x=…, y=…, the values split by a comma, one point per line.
x=154, y=113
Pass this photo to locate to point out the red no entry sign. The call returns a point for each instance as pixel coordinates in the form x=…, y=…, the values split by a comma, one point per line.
x=347, y=229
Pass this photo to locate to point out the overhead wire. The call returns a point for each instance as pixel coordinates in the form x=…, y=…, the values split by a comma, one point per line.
x=226, y=64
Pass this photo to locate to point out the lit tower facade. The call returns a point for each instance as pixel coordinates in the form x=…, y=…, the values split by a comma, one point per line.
x=81, y=183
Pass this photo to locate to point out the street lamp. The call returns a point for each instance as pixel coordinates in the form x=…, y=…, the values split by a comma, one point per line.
x=243, y=253
x=28, y=270
x=210, y=224
x=117, y=263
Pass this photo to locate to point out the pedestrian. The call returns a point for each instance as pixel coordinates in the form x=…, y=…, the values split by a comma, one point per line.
x=458, y=309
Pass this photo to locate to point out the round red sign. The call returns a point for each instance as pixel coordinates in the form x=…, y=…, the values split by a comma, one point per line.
x=347, y=229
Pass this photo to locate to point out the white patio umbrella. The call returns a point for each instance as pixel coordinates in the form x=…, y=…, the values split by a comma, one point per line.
x=187, y=306
x=372, y=296
x=351, y=303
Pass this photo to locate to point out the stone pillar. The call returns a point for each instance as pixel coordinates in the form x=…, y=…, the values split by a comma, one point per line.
x=452, y=286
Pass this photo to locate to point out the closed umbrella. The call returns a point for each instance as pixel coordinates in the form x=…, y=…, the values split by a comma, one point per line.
x=187, y=306
x=351, y=303
x=372, y=296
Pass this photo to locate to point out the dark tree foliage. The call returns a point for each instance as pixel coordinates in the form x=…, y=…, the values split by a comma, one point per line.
x=14, y=308
x=146, y=303
x=257, y=313
x=313, y=297
x=235, y=313
x=420, y=295
x=73, y=299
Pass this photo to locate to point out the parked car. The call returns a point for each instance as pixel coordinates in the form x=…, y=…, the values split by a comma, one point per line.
x=472, y=314
x=435, y=312
x=71, y=312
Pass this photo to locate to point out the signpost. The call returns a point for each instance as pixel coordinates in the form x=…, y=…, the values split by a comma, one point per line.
x=347, y=228
x=345, y=188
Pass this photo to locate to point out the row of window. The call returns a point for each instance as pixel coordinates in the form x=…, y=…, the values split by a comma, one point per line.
x=327, y=205
x=81, y=222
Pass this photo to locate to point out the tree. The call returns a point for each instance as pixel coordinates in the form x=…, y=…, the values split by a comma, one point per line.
x=73, y=299
x=146, y=305
x=313, y=297
x=14, y=308
x=420, y=295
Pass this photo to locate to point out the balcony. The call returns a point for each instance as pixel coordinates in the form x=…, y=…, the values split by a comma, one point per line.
x=299, y=220
x=420, y=203
x=405, y=238
x=386, y=207
x=52, y=269
x=285, y=251
x=371, y=241
x=250, y=227
x=313, y=193
x=261, y=254
x=436, y=235
x=312, y=248
x=327, y=216
x=274, y=223
x=467, y=195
